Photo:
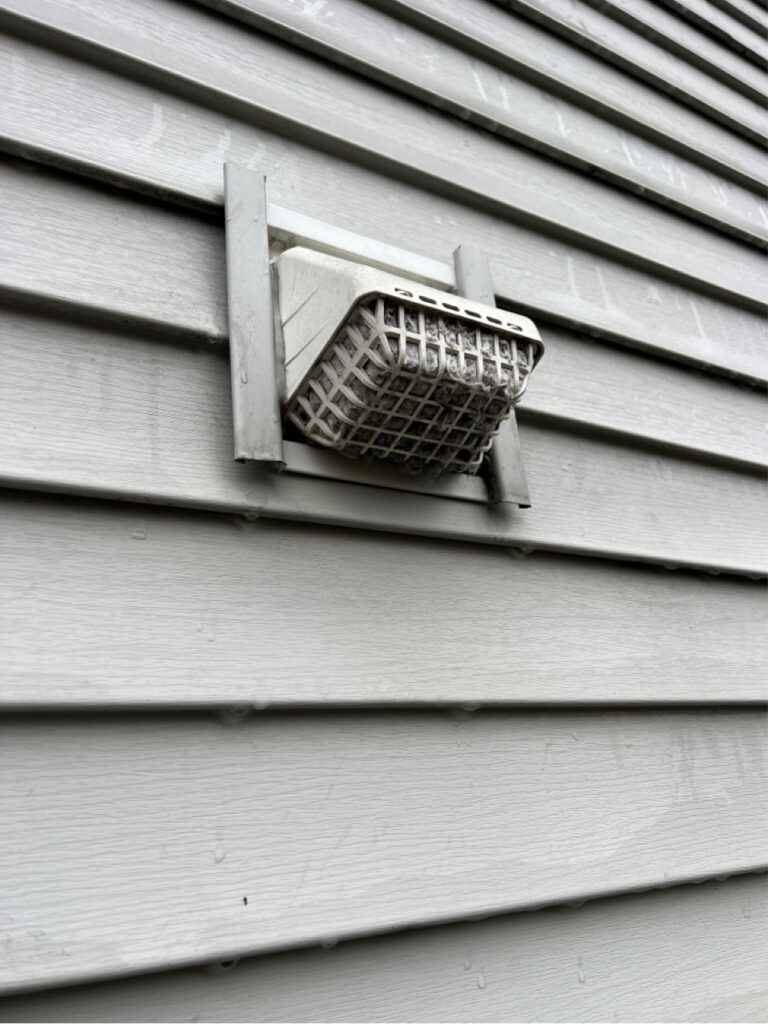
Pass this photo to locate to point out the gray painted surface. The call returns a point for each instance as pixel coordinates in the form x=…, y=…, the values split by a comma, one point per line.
x=507, y=476
x=593, y=963
x=746, y=39
x=258, y=434
x=241, y=71
x=132, y=271
x=691, y=43
x=441, y=72
x=604, y=157
x=563, y=69
x=187, y=143
x=332, y=825
x=748, y=12
x=592, y=492
x=583, y=25
x=143, y=420
x=167, y=608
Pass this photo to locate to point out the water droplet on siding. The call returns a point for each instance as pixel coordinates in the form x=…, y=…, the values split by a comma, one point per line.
x=220, y=967
x=468, y=964
x=243, y=378
x=481, y=980
x=219, y=854
x=580, y=972
x=139, y=534
x=234, y=715
x=329, y=943
x=521, y=552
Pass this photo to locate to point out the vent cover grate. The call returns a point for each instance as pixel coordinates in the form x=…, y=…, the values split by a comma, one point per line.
x=414, y=384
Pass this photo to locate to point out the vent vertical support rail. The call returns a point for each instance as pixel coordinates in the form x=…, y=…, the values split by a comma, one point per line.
x=256, y=416
x=508, y=483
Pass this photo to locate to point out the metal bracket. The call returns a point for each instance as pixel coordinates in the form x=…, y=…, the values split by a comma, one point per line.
x=508, y=483
x=256, y=364
x=255, y=398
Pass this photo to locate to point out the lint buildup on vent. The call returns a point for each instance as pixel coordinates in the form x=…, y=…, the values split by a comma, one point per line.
x=377, y=366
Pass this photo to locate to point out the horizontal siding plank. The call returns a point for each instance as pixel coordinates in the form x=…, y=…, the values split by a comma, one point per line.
x=582, y=25
x=495, y=34
x=677, y=36
x=142, y=420
x=748, y=12
x=244, y=70
x=151, y=607
x=730, y=30
x=99, y=250
x=646, y=399
x=52, y=220
x=164, y=824
x=595, y=961
x=453, y=79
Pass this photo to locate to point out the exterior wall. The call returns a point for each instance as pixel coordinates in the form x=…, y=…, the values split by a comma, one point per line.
x=492, y=724
x=592, y=963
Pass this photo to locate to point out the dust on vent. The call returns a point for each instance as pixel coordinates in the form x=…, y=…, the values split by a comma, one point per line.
x=379, y=367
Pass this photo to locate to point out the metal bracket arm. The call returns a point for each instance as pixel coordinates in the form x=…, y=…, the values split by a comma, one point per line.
x=508, y=483
x=255, y=399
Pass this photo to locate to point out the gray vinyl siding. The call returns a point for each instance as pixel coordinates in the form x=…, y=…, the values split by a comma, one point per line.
x=739, y=25
x=235, y=724
x=336, y=825
x=185, y=608
x=594, y=962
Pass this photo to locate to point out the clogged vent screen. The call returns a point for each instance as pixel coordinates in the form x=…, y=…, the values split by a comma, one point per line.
x=414, y=384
